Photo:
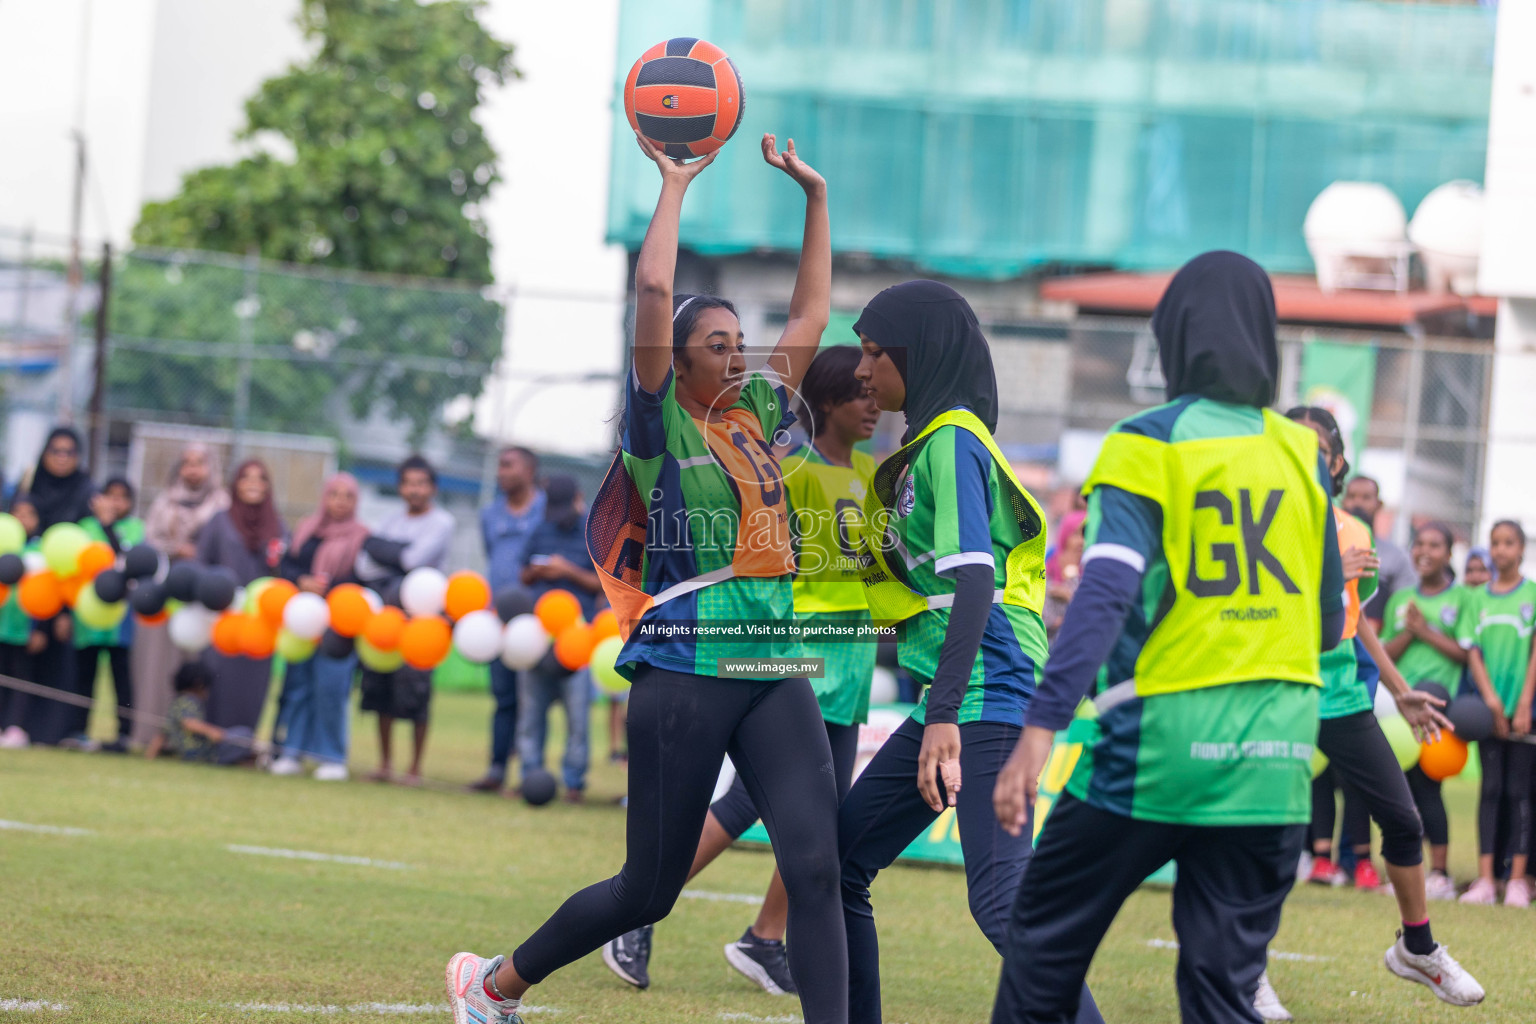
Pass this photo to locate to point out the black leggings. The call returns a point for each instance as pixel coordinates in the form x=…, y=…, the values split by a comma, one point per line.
x=1357, y=820
x=1362, y=760
x=1431, y=804
x=1507, y=790
x=86, y=661
x=680, y=727
x=736, y=812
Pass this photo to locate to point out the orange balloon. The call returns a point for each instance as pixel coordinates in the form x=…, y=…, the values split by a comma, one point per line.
x=5, y=593
x=573, y=647
x=40, y=594
x=424, y=642
x=558, y=610
x=257, y=637
x=1444, y=757
x=272, y=601
x=228, y=634
x=97, y=557
x=160, y=618
x=384, y=627
x=70, y=587
x=604, y=625
x=467, y=592
x=350, y=610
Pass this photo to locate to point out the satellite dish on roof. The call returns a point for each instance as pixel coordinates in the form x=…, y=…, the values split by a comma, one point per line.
x=1447, y=229
x=1356, y=232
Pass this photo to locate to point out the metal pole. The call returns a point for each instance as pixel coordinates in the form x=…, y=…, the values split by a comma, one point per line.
x=67, y=339
x=98, y=426
x=26, y=283
x=246, y=310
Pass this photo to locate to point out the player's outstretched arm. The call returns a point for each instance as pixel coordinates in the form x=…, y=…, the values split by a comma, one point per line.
x=810, y=307
x=656, y=267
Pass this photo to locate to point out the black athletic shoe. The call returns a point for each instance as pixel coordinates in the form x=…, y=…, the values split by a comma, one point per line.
x=629, y=956
x=763, y=961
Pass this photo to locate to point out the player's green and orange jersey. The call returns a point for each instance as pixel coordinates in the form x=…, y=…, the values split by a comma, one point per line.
x=953, y=508
x=1344, y=691
x=1502, y=633
x=692, y=538
x=1451, y=612
x=826, y=504
x=1208, y=703
x=130, y=532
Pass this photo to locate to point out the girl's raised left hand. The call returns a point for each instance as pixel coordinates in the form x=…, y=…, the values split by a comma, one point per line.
x=790, y=163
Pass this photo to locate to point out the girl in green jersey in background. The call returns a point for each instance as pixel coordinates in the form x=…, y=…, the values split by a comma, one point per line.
x=1502, y=670
x=1426, y=632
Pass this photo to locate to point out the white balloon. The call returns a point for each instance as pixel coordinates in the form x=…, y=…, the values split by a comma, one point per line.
x=307, y=616
x=34, y=561
x=523, y=643
x=1386, y=704
x=477, y=636
x=882, y=686
x=423, y=592
x=190, y=627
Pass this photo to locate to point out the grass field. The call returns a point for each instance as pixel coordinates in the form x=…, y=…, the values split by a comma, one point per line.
x=150, y=915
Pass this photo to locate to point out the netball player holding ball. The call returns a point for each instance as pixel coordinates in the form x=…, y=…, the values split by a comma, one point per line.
x=691, y=527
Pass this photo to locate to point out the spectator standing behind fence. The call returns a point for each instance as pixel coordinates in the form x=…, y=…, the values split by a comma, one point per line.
x=114, y=523
x=316, y=693
x=506, y=525
x=175, y=519
x=248, y=539
x=557, y=559
x=21, y=640
x=1062, y=570
x=1362, y=499
x=416, y=537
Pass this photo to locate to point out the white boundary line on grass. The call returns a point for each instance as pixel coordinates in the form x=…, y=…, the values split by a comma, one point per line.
x=787, y=1018
x=384, y=1009
x=330, y=858
x=31, y=1006
x=722, y=897
x=1274, y=954
x=52, y=830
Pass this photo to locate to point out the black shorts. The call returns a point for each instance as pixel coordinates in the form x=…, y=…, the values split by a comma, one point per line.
x=403, y=693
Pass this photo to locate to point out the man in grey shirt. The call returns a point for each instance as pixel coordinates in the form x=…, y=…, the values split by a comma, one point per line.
x=414, y=538
x=1362, y=499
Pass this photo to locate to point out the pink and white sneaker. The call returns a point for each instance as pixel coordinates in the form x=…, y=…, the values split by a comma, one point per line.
x=1480, y=891
x=1517, y=893
x=465, y=978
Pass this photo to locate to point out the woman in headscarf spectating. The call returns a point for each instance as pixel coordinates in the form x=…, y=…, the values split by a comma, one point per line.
x=957, y=561
x=690, y=536
x=313, y=709
x=194, y=495
x=1211, y=583
x=248, y=539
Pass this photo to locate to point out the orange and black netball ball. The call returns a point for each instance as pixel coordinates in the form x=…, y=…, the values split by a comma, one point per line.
x=684, y=95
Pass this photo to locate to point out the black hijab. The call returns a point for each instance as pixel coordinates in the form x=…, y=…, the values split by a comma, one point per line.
x=931, y=334
x=61, y=499
x=1215, y=327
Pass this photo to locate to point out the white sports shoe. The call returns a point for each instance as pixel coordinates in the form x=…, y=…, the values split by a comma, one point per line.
x=1439, y=886
x=286, y=766
x=1439, y=970
x=465, y=979
x=331, y=772
x=1267, y=1001
x=15, y=738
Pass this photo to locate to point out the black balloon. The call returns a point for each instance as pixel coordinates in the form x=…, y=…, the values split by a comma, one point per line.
x=12, y=569
x=148, y=598
x=389, y=591
x=334, y=645
x=538, y=787
x=1435, y=690
x=111, y=586
x=215, y=588
x=181, y=581
x=512, y=602
x=141, y=561
x=1471, y=718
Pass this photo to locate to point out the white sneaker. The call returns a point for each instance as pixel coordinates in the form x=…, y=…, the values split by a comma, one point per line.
x=1439, y=970
x=1481, y=891
x=1267, y=1001
x=1439, y=886
x=465, y=978
x=331, y=772
x=286, y=766
x=1517, y=893
x=15, y=738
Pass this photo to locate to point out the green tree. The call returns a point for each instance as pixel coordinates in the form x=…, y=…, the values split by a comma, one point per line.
x=387, y=170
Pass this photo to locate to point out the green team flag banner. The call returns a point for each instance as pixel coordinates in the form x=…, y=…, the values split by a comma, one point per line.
x=1341, y=379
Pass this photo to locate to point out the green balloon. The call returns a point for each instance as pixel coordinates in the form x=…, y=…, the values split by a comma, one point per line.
x=294, y=649
x=1400, y=735
x=62, y=544
x=13, y=536
x=253, y=591
x=1319, y=762
x=95, y=613
x=604, y=671
x=377, y=660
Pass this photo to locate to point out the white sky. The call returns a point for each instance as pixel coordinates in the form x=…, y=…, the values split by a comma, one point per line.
x=164, y=89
